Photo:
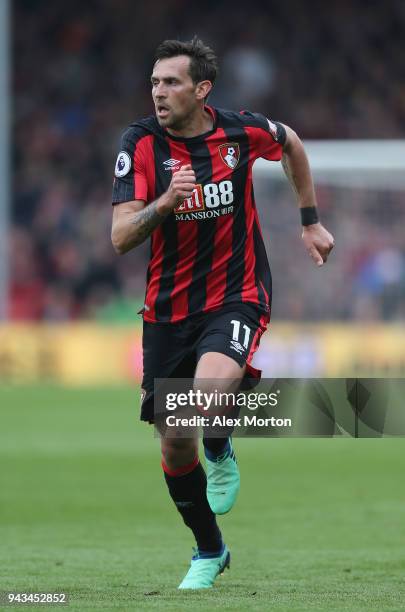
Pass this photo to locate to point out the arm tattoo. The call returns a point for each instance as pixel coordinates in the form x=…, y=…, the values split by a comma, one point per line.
x=288, y=172
x=145, y=221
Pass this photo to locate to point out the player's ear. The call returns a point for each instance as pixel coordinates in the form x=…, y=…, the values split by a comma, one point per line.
x=202, y=89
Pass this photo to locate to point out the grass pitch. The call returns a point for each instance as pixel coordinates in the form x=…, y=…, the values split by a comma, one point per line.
x=319, y=524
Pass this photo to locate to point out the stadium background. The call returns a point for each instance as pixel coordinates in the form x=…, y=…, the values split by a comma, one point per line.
x=330, y=71
x=72, y=449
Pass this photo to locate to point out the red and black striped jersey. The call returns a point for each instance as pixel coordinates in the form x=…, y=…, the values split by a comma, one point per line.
x=209, y=251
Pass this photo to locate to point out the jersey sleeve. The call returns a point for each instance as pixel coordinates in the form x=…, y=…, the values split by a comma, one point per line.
x=268, y=137
x=130, y=181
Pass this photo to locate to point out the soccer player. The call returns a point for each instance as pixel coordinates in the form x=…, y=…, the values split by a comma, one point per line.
x=183, y=177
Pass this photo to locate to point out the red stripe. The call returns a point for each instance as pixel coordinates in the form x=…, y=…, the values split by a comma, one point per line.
x=141, y=161
x=264, y=319
x=144, y=160
x=183, y=470
x=222, y=252
x=254, y=345
x=263, y=144
x=250, y=291
x=252, y=372
x=186, y=248
x=157, y=242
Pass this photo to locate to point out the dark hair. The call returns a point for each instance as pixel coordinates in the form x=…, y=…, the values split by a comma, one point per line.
x=203, y=61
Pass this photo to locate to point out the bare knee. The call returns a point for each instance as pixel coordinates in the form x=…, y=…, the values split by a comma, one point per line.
x=178, y=452
x=216, y=371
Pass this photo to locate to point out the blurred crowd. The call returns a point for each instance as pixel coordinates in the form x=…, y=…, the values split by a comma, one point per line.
x=364, y=278
x=81, y=75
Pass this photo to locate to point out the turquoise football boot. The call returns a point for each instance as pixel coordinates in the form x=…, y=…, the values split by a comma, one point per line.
x=223, y=481
x=204, y=568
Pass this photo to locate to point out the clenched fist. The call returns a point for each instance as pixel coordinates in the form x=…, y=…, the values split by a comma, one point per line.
x=181, y=187
x=318, y=242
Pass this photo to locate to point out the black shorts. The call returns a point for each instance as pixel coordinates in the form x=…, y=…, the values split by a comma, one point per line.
x=172, y=350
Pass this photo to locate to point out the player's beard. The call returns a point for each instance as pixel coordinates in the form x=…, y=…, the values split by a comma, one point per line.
x=164, y=121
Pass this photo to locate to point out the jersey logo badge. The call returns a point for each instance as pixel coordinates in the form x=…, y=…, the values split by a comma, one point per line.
x=171, y=163
x=230, y=154
x=236, y=346
x=123, y=165
x=194, y=203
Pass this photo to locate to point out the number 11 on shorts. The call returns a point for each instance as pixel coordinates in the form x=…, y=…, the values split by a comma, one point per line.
x=236, y=330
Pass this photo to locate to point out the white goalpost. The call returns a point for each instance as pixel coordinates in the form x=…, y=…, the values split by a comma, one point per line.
x=380, y=161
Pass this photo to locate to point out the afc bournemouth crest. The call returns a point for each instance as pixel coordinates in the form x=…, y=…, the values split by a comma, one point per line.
x=230, y=154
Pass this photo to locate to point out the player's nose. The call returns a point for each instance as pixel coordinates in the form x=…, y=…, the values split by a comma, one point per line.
x=160, y=91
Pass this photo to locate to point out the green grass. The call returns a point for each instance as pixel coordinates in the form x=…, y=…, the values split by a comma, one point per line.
x=319, y=524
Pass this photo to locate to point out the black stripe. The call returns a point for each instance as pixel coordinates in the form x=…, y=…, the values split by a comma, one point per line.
x=163, y=306
x=124, y=186
x=262, y=268
x=197, y=291
x=148, y=273
x=236, y=265
x=151, y=253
